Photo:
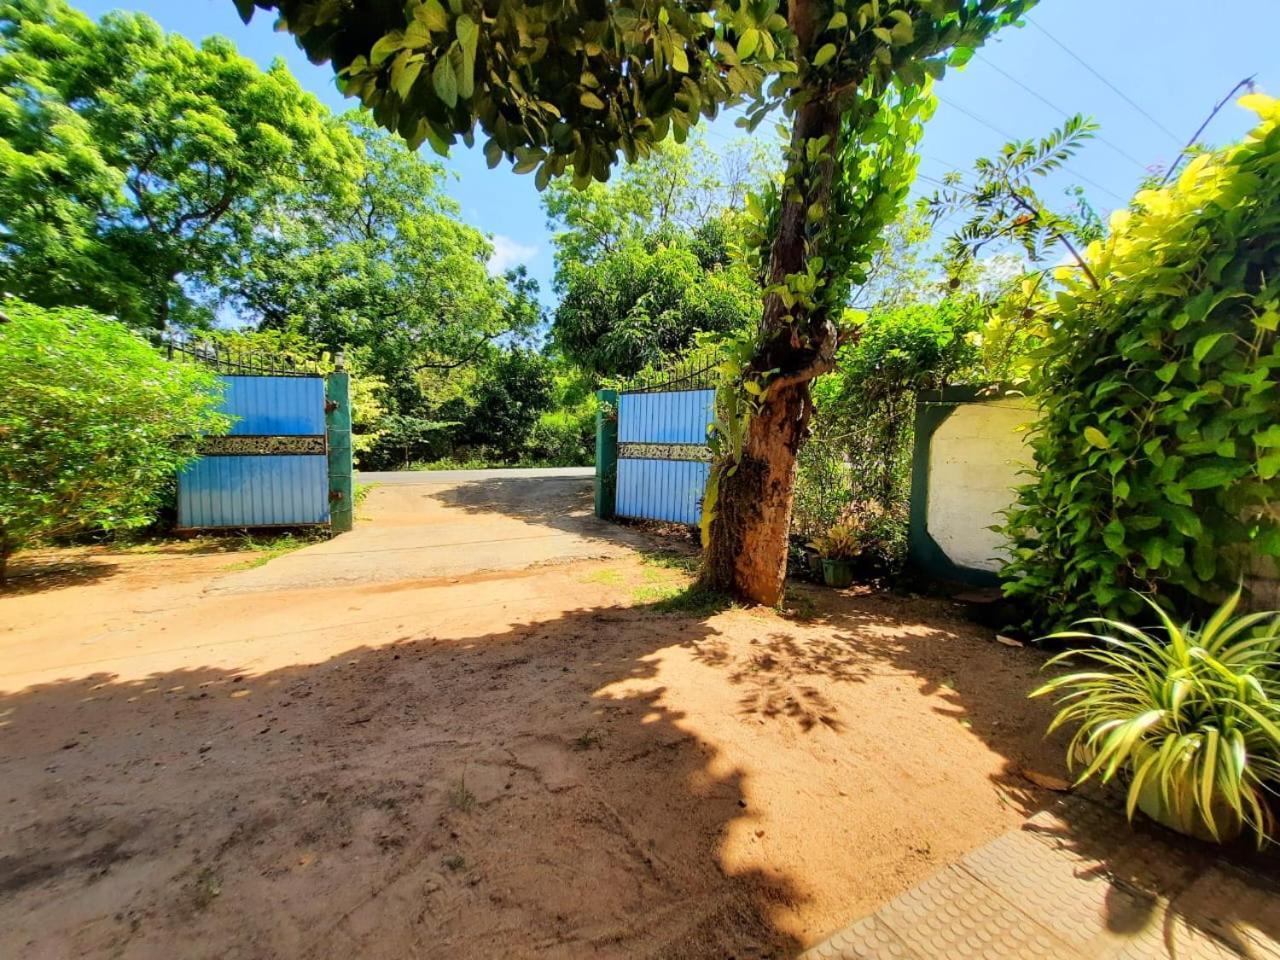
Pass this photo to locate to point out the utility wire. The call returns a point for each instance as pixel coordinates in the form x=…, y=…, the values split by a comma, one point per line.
x=1008, y=136
x=1195, y=137
x=1120, y=93
x=1053, y=106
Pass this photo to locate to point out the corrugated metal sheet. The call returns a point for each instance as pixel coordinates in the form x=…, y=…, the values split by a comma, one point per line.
x=265, y=490
x=678, y=417
x=275, y=406
x=254, y=492
x=661, y=489
x=668, y=490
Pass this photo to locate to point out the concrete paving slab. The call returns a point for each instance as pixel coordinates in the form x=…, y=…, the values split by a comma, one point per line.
x=1076, y=881
x=448, y=526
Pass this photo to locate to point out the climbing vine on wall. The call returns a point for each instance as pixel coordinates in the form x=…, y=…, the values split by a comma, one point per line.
x=1158, y=442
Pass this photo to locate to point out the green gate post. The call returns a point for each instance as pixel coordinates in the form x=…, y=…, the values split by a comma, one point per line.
x=606, y=453
x=337, y=419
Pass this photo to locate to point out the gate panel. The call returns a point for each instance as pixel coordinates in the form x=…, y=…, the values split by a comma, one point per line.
x=272, y=469
x=275, y=406
x=663, y=457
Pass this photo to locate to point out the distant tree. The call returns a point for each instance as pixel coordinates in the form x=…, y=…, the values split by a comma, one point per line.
x=94, y=424
x=677, y=187
x=647, y=298
x=512, y=392
x=647, y=262
x=384, y=263
x=136, y=170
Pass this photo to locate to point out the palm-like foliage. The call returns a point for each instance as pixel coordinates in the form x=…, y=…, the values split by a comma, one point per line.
x=1190, y=715
x=1003, y=204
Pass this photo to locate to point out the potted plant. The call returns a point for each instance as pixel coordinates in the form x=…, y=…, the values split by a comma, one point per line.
x=838, y=548
x=1189, y=716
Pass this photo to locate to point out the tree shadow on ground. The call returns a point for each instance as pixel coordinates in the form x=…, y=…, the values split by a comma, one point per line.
x=38, y=573
x=565, y=504
x=526, y=791
x=1157, y=880
x=1176, y=895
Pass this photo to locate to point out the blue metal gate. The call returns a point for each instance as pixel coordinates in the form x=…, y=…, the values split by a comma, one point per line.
x=272, y=469
x=663, y=457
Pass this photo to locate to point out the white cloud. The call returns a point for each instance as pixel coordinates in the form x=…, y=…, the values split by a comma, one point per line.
x=508, y=253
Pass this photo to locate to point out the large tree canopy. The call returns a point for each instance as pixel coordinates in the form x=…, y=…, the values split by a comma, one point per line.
x=136, y=168
x=568, y=85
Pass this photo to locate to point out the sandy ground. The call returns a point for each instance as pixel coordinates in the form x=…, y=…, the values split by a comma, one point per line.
x=529, y=760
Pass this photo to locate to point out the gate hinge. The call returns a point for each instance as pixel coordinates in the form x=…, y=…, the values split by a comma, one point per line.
x=330, y=406
x=335, y=496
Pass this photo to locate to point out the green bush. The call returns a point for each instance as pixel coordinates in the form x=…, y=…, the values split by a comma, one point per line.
x=94, y=423
x=859, y=457
x=1158, y=441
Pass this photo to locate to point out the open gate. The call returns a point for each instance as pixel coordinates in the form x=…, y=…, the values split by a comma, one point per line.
x=661, y=450
x=273, y=468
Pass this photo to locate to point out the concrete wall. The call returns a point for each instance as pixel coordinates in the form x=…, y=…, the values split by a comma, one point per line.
x=968, y=459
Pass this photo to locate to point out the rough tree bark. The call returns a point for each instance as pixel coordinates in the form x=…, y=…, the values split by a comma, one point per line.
x=747, y=551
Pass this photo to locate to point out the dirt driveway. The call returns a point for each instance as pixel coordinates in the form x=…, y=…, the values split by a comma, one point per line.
x=532, y=743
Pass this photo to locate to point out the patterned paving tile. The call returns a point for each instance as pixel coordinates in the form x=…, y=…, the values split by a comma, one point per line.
x=1075, y=882
x=953, y=915
x=1073, y=896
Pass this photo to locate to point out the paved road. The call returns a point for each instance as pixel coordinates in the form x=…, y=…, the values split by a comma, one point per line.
x=420, y=477
x=450, y=525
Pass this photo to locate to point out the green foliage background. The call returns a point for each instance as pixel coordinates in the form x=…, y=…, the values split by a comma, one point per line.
x=94, y=423
x=1158, y=444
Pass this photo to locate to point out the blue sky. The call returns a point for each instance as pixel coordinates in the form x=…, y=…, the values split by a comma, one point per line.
x=1174, y=59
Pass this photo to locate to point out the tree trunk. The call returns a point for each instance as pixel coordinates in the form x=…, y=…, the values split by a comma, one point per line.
x=747, y=551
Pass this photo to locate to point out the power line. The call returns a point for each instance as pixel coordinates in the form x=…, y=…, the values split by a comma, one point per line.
x=1118, y=92
x=1010, y=137
x=1053, y=106
x=1247, y=82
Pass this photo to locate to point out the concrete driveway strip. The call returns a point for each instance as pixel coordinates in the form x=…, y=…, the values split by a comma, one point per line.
x=450, y=524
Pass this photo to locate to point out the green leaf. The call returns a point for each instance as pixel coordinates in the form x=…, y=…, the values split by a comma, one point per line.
x=432, y=14
x=824, y=54
x=1206, y=478
x=385, y=47
x=590, y=100
x=445, y=83
x=404, y=76
x=1097, y=438
x=839, y=21
x=747, y=43
x=1113, y=536
x=680, y=60
x=1204, y=345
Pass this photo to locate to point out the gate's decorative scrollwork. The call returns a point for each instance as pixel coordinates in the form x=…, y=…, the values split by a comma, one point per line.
x=695, y=452
x=247, y=445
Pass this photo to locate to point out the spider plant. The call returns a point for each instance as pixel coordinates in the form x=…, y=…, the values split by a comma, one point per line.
x=1190, y=716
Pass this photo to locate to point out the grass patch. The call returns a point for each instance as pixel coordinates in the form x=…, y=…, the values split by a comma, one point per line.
x=670, y=585
x=609, y=577
x=694, y=599
x=460, y=797
x=587, y=740
x=671, y=560
x=267, y=549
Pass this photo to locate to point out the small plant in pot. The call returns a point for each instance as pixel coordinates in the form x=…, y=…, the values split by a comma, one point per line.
x=839, y=547
x=1188, y=716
